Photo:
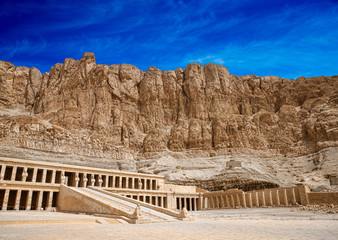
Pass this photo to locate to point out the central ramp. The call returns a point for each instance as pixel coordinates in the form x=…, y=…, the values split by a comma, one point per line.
x=97, y=201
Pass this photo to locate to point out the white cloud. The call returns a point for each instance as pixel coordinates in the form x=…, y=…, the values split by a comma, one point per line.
x=207, y=59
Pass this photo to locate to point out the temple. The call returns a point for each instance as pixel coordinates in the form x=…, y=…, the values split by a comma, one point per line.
x=135, y=197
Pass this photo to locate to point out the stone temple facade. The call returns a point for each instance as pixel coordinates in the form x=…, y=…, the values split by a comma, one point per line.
x=135, y=197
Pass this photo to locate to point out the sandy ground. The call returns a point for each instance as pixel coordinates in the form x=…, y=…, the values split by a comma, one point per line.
x=267, y=223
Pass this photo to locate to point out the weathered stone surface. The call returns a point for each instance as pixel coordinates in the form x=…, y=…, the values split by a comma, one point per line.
x=123, y=112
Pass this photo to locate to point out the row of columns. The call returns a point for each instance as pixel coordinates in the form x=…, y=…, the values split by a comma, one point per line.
x=75, y=179
x=160, y=201
x=273, y=197
x=27, y=199
x=226, y=201
x=24, y=175
x=190, y=203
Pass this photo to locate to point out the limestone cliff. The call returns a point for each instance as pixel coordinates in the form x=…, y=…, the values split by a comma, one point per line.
x=119, y=111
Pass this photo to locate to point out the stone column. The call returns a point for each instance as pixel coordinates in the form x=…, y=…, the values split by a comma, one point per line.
x=113, y=181
x=190, y=203
x=92, y=180
x=53, y=176
x=77, y=179
x=201, y=202
x=162, y=202
x=277, y=198
x=105, y=184
x=270, y=198
x=35, y=172
x=232, y=201
x=85, y=180
x=39, y=200
x=50, y=200
x=195, y=204
x=211, y=202
x=249, y=197
x=133, y=183
x=243, y=200
x=2, y=173
x=263, y=199
x=293, y=196
x=5, y=202
x=256, y=198
x=221, y=200
x=63, y=177
x=13, y=173
x=303, y=194
x=216, y=202
x=29, y=200
x=100, y=181
x=238, y=200
x=145, y=184
x=17, y=200
x=120, y=182
x=285, y=196
x=24, y=174
x=44, y=173
x=227, y=201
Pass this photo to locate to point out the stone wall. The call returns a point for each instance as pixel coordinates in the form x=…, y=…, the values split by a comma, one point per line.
x=323, y=197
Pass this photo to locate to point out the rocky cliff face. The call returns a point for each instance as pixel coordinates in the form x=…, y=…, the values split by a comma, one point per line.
x=119, y=111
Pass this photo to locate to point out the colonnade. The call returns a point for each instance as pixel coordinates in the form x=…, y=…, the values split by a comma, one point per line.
x=25, y=186
x=75, y=178
x=261, y=198
x=27, y=199
x=160, y=201
x=190, y=203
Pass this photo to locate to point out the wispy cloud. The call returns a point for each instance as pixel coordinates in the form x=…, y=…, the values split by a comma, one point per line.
x=208, y=59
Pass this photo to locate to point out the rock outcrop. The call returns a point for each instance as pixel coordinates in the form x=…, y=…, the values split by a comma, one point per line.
x=119, y=111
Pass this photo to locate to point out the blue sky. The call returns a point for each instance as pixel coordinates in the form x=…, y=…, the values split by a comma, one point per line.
x=267, y=37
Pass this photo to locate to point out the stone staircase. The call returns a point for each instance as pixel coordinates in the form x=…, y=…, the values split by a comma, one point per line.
x=97, y=201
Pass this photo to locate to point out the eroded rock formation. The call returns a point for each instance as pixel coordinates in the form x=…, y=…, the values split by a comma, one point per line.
x=119, y=111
